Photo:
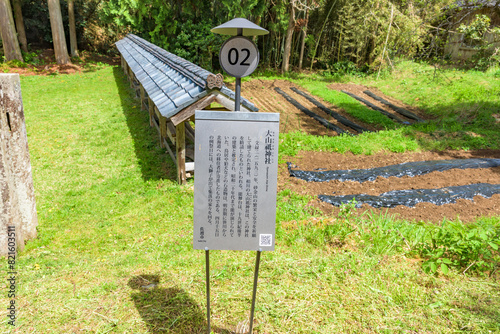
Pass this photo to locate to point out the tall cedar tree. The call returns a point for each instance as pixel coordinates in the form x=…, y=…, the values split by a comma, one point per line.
x=18, y=16
x=58, y=37
x=8, y=30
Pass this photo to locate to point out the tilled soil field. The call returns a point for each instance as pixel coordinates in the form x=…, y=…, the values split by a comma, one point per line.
x=464, y=209
x=262, y=93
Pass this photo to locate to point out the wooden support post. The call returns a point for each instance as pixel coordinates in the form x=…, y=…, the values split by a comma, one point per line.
x=17, y=195
x=180, y=145
x=126, y=70
x=163, y=128
x=143, y=96
x=151, y=111
x=131, y=77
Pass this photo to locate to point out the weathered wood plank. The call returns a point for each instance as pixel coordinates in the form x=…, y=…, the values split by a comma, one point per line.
x=189, y=131
x=180, y=145
x=143, y=97
x=190, y=153
x=169, y=150
x=171, y=132
x=189, y=111
x=151, y=111
x=227, y=103
x=156, y=124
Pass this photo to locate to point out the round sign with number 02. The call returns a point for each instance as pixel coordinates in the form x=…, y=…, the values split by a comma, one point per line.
x=239, y=56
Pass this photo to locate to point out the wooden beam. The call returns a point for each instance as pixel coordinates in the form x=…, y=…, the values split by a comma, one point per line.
x=187, y=112
x=156, y=124
x=190, y=153
x=189, y=131
x=227, y=103
x=189, y=165
x=171, y=132
x=180, y=145
x=169, y=150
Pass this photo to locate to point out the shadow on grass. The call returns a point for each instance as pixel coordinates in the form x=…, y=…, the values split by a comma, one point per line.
x=472, y=126
x=154, y=162
x=168, y=310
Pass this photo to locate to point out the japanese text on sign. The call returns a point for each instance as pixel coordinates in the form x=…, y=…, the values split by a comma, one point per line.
x=235, y=181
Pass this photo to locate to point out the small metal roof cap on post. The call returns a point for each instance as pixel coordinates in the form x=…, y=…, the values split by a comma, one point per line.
x=233, y=28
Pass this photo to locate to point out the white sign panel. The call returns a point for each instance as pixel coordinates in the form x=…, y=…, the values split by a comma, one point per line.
x=235, y=184
x=239, y=56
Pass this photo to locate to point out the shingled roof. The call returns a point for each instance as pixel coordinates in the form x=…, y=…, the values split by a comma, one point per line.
x=171, y=82
x=476, y=3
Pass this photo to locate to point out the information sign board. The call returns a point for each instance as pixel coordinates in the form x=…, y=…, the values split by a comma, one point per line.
x=235, y=184
x=239, y=56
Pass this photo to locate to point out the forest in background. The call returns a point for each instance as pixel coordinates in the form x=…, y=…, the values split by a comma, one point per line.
x=332, y=35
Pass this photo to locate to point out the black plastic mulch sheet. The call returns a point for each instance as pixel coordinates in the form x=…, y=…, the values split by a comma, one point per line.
x=330, y=112
x=374, y=107
x=309, y=113
x=409, y=169
x=399, y=110
x=411, y=198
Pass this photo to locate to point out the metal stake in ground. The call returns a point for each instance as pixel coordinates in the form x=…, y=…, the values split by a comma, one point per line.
x=207, y=261
x=254, y=293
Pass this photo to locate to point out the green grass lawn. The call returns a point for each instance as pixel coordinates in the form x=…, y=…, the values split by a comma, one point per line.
x=112, y=220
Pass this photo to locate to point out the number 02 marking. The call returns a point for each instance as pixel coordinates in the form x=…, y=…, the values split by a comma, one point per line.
x=233, y=56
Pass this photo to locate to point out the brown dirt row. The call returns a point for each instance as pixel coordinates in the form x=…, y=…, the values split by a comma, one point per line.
x=263, y=95
x=464, y=209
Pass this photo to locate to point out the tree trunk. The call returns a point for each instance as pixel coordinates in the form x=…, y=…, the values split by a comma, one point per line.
x=18, y=16
x=288, y=42
x=56, y=25
x=72, y=29
x=304, y=35
x=321, y=33
x=9, y=37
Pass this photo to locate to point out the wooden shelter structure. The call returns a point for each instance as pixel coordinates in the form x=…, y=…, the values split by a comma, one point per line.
x=171, y=89
x=458, y=47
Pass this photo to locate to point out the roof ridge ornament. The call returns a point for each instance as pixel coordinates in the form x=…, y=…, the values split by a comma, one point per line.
x=215, y=81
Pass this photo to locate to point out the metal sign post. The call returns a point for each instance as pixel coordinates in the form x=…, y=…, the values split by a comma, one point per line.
x=236, y=165
x=235, y=187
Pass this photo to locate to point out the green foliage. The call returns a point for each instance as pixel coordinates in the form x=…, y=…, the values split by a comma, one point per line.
x=17, y=63
x=182, y=28
x=343, y=68
x=472, y=247
x=32, y=58
x=474, y=32
x=359, y=31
